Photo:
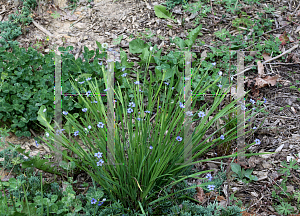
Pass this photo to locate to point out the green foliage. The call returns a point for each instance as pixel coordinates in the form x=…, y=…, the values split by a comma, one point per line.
x=213, y=209
x=172, y=3
x=286, y=169
x=161, y=12
x=241, y=173
x=199, y=7
x=55, y=15
x=12, y=28
x=222, y=34
x=280, y=192
x=243, y=21
x=12, y=160
x=27, y=78
x=284, y=208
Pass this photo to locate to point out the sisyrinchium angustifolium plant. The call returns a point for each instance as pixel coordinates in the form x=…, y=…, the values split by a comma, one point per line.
x=147, y=146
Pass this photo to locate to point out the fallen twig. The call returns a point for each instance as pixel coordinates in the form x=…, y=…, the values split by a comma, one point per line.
x=276, y=57
x=42, y=29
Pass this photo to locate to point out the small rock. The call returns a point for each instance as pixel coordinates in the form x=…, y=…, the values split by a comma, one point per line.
x=80, y=26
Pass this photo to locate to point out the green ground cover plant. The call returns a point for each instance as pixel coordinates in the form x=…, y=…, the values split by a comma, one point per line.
x=145, y=154
x=13, y=27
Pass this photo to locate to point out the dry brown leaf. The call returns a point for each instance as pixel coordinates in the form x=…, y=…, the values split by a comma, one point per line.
x=268, y=80
x=260, y=69
x=200, y=194
x=296, y=60
x=266, y=56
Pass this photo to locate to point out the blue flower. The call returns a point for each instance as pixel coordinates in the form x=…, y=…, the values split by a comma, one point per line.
x=123, y=69
x=147, y=111
x=209, y=177
x=220, y=86
x=44, y=110
x=59, y=131
x=129, y=110
x=257, y=141
x=137, y=82
x=131, y=104
x=265, y=100
x=65, y=112
x=98, y=155
x=172, y=88
x=243, y=107
x=150, y=147
x=139, y=119
x=100, y=125
x=89, y=127
x=222, y=137
x=179, y=138
x=36, y=143
x=252, y=101
x=100, y=162
x=201, y=114
x=94, y=101
x=84, y=109
x=100, y=63
x=213, y=64
x=101, y=202
x=124, y=75
x=141, y=90
x=81, y=82
x=211, y=187
x=167, y=83
x=76, y=133
x=220, y=73
x=106, y=89
x=93, y=201
x=89, y=78
x=189, y=113
x=88, y=92
x=181, y=105
x=254, y=128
